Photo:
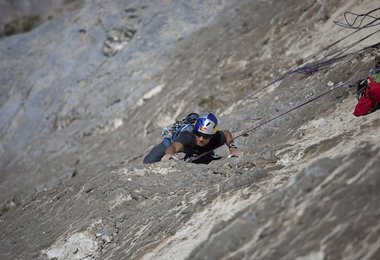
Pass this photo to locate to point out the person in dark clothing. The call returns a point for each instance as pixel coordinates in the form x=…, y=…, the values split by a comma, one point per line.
x=201, y=141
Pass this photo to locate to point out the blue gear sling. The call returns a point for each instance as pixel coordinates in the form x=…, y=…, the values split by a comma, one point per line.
x=170, y=134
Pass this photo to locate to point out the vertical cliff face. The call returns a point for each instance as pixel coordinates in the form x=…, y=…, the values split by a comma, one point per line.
x=82, y=77
x=84, y=96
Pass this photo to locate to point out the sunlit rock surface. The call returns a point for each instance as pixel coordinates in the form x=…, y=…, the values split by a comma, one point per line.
x=85, y=94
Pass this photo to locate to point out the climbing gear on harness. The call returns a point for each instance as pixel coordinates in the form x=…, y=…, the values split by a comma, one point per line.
x=170, y=134
x=232, y=145
x=362, y=85
x=206, y=124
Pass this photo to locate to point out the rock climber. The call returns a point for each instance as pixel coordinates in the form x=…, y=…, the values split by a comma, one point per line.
x=368, y=93
x=198, y=143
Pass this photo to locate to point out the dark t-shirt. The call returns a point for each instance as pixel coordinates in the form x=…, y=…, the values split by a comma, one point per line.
x=187, y=139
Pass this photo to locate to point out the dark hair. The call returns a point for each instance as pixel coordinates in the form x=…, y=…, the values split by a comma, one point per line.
x=377, y=67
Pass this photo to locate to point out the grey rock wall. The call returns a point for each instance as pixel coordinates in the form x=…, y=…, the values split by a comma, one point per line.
x=22, y=16
x=85, y=95
x=75, y=90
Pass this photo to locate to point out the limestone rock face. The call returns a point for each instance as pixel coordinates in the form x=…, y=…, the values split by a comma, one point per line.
x=18, y=16
x=86, y=92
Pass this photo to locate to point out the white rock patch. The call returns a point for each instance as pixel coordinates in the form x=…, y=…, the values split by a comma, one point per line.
x=77, y=246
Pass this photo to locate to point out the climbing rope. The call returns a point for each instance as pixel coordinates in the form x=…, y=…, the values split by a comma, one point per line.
x=338, y=54
x=374, y=22
x=246, y=132
x=308, y=69
x=350, y=24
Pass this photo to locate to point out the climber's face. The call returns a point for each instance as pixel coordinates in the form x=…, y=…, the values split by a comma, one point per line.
x=202, y=139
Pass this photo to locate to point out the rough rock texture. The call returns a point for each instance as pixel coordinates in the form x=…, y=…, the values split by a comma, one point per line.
x=84, y=96
x=19, y=16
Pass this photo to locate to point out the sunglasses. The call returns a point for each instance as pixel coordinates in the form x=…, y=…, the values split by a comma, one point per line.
x=202, y=135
